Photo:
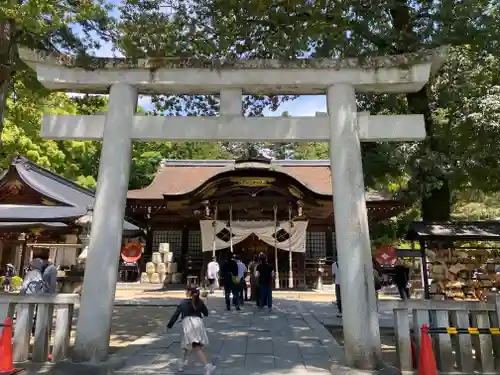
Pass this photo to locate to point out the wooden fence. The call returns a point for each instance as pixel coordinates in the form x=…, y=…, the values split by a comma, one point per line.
x=37, y=347
x=457, y=353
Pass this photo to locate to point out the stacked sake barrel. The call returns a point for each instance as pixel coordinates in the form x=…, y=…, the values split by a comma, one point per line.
x=162, y=269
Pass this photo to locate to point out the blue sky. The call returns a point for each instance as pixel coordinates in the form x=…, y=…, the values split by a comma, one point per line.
x=306, y=105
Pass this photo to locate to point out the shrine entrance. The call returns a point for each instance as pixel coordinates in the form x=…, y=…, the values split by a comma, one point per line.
x=231, y=81
x=252, y=246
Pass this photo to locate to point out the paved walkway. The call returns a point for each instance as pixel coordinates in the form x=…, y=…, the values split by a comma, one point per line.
x=287, y=341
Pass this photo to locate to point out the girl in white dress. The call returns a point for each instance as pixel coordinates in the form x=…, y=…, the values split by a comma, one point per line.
x=194, y=337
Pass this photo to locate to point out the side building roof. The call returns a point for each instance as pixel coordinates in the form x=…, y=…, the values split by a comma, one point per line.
x=57, y=189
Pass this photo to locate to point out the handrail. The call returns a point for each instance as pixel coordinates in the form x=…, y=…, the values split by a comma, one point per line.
x=35, y=314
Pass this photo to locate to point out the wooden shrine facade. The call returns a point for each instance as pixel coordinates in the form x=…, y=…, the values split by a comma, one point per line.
x=38, y=215
x=185, y=192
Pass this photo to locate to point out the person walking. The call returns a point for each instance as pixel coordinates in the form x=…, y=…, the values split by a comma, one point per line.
x=377, y=277
x=242, y=287
x=265, y=275
x=49, y=277
x=33, y=281
x=338, y=295
x=254, y=285
x=402, y=279
x=231, y=282
x=194, y=339
x=8, y=275
x=34, y=284
x=212, y=274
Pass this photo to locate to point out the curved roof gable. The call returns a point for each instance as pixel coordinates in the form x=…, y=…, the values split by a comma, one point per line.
x=183, y=177
x=52, y=185
x=74, y=198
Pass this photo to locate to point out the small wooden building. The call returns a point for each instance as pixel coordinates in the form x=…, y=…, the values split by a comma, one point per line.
x=187, y=194
x=38, y=210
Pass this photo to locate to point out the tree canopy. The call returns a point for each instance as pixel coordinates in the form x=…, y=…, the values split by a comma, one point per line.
x=465, y=89
x=76, y=27
x=461, y=103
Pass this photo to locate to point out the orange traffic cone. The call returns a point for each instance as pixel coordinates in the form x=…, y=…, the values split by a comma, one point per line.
x=427, y=362
x=6, y=362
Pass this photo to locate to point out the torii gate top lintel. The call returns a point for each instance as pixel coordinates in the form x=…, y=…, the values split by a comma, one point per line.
x=394, y=73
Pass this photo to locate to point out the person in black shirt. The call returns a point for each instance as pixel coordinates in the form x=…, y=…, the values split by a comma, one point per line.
x=402, y=278
x=231, y=282
x=265, y=274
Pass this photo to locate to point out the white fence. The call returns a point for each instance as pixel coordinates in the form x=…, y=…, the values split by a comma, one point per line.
x=52, y=325
x=457, y=353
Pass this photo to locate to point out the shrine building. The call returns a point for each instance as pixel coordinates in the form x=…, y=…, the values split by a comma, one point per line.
x=283, y=208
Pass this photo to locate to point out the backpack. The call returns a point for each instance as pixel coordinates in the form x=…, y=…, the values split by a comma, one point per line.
x=37, y=286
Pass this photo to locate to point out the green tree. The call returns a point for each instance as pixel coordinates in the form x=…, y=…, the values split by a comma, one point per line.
x=160, y=29
x=75, y=160
x=68, y=26
x=275, y=29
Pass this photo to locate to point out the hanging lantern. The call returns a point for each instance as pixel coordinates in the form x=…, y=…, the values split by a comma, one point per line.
x=300, y=208
x=207, y=207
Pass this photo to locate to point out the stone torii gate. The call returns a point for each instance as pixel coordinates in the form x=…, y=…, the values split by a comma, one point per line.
x=343, y=128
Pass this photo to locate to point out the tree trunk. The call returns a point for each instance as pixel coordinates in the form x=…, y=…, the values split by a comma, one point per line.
x=4, y=94
x=436, y=206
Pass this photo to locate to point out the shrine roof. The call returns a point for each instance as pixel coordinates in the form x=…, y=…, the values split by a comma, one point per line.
x=50, y=184
x=458, y=230
x=60, y=198
x=178, y=177
x=38, y=213
x=9, y=225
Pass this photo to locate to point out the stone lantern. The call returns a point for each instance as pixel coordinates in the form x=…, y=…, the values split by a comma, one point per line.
x=85, y=222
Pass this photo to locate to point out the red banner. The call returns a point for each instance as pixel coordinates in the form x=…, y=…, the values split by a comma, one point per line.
x=386, y=255
x=132, y=252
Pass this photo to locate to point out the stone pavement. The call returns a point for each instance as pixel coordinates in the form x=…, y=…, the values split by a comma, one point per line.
x=287, y=341
x=325, y=312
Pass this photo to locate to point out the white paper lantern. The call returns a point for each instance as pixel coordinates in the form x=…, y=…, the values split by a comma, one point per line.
x=150, y=268
x=161, y=268
x=144, y=278
x=172, y=268
x=156, y=258
x=155, y=278
x=164, y=248
x=168, y=257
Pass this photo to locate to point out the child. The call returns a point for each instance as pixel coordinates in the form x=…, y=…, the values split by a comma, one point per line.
x=195, y=337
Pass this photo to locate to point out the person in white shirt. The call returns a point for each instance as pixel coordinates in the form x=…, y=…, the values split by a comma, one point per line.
x=242, y=292
x=338, y=296
x=212, y=273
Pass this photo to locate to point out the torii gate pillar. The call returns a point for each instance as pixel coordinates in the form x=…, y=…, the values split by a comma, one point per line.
x=344, y=128
x=359, y=315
